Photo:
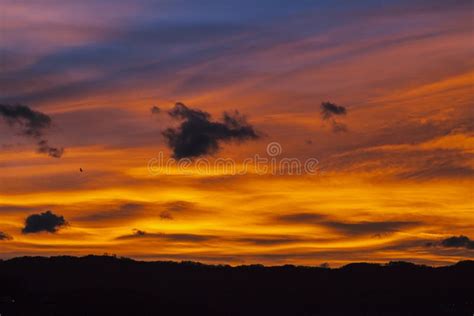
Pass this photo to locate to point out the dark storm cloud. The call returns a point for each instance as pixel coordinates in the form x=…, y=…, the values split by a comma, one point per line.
x=168, y=237
x=5, y=236
x=198, y=136
x=43, y=222
x=155, y=110
x=31, y=124
x=458, y=242
x=328, y=110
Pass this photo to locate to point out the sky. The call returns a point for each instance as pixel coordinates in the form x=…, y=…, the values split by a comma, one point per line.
x=96, y=96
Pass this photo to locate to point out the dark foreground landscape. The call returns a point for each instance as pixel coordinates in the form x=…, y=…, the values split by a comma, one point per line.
x=103, y=285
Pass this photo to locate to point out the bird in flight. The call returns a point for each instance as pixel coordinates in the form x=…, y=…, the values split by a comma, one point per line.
x=80, y=169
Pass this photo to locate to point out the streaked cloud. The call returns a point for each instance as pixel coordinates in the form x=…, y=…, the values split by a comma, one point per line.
x=119, y=213
x=167, y=237
x=369, y=228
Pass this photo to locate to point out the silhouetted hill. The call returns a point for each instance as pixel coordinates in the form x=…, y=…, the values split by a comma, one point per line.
x=104, y=285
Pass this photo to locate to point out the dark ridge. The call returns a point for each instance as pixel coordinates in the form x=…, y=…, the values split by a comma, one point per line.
x=108, y=285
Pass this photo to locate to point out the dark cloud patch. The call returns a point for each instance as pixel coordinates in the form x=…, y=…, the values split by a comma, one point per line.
x=458, y=242
x=429, y=244
x=5, y=236
x=155, y=110
x=44, y=148
x=367, y=227
x=328, y=110
x=166, y=215
x=137, y=234
x=43, y=222
x=198, y=136
x=300, y=218
x=32, y=124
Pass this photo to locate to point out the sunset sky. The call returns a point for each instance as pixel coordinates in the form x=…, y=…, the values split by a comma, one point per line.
x=395, y=172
